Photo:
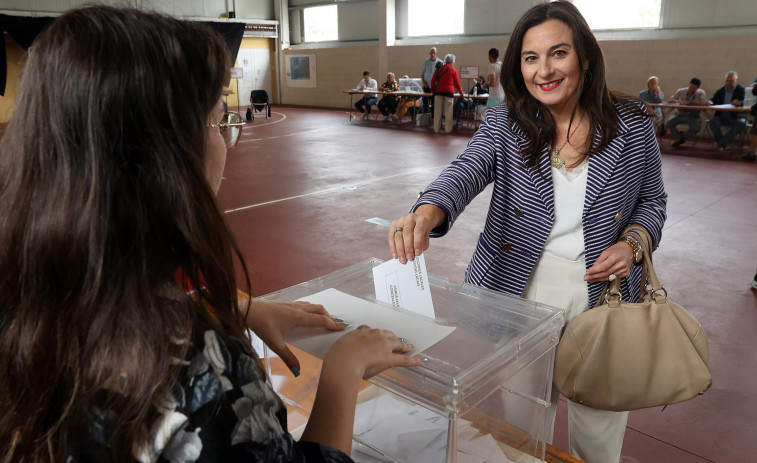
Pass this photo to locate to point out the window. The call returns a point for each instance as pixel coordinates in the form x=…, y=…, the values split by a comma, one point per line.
x=321, y=23
x=620, y=14
x=435, y=17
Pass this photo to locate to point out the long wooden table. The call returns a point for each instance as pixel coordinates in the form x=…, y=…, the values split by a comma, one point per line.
x=668, y=108
x=415, y=95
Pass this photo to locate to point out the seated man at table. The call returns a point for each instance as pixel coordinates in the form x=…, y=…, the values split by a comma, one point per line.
x=364, y=104
x=731, y=93
x=691, y=95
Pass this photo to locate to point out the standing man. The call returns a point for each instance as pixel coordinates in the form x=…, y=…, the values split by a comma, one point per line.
x=427, y=72
x=691, y=95
x=366, y=85
x=496, y=92
x=732, y=92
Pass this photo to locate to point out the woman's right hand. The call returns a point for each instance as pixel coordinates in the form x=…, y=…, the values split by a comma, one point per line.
x=409, y=235
x=357, y=355
x=366, y=352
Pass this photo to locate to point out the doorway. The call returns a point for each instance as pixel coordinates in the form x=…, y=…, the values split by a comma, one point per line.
x=256, y=63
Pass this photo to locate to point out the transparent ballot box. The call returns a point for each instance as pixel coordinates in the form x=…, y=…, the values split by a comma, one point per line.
x=482, y=395
x=411, y=85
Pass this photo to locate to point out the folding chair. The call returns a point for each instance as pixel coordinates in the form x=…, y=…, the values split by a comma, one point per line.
x=259, y=101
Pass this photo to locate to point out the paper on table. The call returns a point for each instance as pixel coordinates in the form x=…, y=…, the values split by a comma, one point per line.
x=404, y=285
x=722, y=106
x=355, y=311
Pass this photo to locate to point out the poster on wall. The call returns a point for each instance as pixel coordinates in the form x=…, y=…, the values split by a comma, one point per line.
x=300, y=71
x=468, y=72
x=237, y=73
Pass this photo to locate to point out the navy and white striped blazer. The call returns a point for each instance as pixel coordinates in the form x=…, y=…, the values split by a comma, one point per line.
x=624, y=186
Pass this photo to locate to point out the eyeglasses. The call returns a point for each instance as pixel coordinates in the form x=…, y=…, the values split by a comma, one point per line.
x=230, y=128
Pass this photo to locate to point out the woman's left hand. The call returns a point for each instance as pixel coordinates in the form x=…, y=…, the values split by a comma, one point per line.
x=272, y=321
x=615, y=260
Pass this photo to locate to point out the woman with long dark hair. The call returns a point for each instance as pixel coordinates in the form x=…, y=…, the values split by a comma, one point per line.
x=573, y=164
x=121, y=338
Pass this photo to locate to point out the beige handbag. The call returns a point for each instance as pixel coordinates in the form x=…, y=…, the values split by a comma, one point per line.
x=622, y=356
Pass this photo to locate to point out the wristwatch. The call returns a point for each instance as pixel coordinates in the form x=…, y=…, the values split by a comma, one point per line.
x=638, y=252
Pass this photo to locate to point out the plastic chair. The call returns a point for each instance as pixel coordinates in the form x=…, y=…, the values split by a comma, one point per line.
x=259, y=101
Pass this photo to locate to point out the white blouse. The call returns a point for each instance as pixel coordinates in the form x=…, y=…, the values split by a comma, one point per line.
x=566, y=240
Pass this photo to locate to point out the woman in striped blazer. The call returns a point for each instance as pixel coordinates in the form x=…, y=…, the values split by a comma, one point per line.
x=572, y=165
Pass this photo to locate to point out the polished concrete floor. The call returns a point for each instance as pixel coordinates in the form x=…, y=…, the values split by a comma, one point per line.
x=300, y=190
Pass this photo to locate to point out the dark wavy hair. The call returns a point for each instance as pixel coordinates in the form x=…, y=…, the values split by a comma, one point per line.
x=595, y=97
x=104, y=199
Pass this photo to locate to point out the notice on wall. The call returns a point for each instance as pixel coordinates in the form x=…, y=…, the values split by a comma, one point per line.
x=468, y=72
x=301, y=71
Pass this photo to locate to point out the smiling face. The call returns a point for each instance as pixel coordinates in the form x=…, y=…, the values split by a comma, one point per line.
x=550, y=67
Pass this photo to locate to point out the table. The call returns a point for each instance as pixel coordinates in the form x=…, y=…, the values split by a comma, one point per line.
x=667, y=110
x=352, y=93
x=407, y=94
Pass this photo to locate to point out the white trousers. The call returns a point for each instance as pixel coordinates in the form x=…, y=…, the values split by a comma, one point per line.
x=443, y=103
x=595, y=435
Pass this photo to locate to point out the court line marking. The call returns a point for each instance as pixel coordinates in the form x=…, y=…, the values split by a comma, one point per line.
x=280, y=136
x=342, y=187
x=277, y=136
x=283, y=117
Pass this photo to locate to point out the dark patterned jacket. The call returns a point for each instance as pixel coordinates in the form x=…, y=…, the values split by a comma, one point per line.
x=221, y=410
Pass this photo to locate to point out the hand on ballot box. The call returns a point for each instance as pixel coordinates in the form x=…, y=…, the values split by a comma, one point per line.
x=369, y=351
x=272, y=321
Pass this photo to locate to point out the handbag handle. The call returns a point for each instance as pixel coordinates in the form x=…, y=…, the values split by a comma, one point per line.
x=648, y=275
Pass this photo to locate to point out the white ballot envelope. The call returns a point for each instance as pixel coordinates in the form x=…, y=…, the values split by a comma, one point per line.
x=404, y=285
x=316, y=341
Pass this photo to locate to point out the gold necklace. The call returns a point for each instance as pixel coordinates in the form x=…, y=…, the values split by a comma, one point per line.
x=555, y=159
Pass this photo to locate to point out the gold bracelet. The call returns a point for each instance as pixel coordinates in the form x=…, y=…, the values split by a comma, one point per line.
x=638, y=252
